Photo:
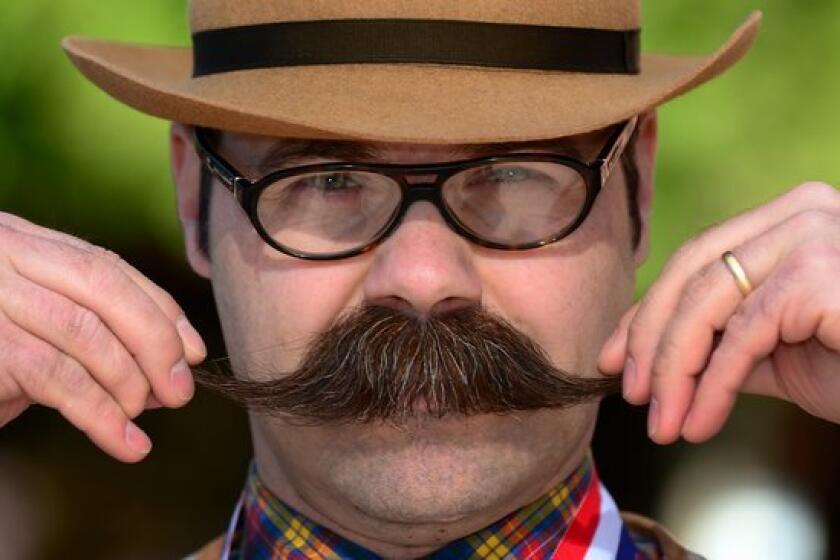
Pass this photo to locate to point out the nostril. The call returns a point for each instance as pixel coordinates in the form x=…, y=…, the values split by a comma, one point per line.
x=404, y=306
x=394, y=302
x=451, y=304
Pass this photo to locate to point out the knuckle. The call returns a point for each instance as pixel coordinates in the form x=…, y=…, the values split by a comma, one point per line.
x=129, y=386
x=736, y=327
x=30, y=366
x=44, y=373
x=794, y=269
x=816, y=192
x=87, y=266
x=5, y=231
x=107, y=255
x=104, y=410
x=162, y=299
x=170, y=341
x=639, y=327
x=814, y=260
x=93, y=414
x=169, y=306
x=100, y=274
x=764, y=309
x=698, y=288
x=5, y=217
x=69, y=375
x=134, y=407
x=10, y=238
x=12, y=223
x=685, y=254
x=84, y=328
x=161, y=343
x=815, y=219
x=666, y=350
x=817, y=253
x=72, y=240
x=38, y=369
x=636, y=333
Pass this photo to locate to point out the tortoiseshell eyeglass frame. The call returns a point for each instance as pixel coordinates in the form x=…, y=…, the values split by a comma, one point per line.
x=595, y=173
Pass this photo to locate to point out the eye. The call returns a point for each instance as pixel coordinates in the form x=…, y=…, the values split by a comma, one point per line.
x=509, y=174
x=330, y=182
x=505, y=175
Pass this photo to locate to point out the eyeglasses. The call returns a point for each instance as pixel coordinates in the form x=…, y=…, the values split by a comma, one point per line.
x=336, y=210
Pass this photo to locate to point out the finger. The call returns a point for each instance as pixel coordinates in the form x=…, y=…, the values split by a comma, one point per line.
x=93, y=281
x=762, y=380
x=80, y=333
x=196, y=350
x=679, y=358
x=661, y=299
x=797, y=303
x=750, y=336
x=706, y=305
x=707, y=417
x=49, y=377
x=12, y=408
x=611, y=359
x=152, y=403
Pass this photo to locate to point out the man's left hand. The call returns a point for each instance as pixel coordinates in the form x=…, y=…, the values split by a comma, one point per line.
x=695, y=341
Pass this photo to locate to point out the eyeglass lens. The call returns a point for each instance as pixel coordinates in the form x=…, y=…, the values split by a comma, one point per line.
x=505, y=203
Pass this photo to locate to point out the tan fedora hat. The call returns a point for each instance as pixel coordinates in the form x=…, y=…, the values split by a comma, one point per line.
x=426, y=71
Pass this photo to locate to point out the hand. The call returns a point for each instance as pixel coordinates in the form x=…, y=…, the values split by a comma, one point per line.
x=694, y=341
x=83, y=332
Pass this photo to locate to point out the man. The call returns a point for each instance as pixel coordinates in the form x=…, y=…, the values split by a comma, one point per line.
x=419, y=266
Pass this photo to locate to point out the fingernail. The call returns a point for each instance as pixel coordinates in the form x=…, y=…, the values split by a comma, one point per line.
x=629, y=376
x=181, y=379
x=136, y=439
x=190, y=336
x=653, y=417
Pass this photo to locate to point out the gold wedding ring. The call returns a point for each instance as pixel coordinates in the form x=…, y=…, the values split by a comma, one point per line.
x=738, y=273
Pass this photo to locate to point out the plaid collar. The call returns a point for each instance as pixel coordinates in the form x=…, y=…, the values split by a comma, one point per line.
x=267, y=528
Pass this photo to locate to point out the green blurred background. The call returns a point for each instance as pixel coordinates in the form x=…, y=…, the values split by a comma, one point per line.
x=73, y=159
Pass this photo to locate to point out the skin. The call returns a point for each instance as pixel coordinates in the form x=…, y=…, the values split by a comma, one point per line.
x=781, y=340
x=64, y=345
x=405, y=492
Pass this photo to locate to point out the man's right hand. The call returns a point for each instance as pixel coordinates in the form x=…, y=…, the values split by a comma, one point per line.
x=84, y=332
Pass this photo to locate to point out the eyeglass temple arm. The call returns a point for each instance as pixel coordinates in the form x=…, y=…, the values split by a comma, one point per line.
x=223, y=170
x=616, y=147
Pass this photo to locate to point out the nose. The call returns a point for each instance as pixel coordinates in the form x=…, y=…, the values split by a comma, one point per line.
x=423, y=267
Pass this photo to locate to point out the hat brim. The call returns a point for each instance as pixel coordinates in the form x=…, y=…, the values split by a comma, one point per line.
x=420, y=103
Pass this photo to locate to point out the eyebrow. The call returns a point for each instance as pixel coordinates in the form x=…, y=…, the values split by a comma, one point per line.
x=290, y=151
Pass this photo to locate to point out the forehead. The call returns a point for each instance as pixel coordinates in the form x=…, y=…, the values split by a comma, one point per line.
x=263, y=153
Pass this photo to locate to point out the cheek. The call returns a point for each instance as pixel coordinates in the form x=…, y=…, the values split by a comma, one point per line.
x=270, y=305
x=569, y=296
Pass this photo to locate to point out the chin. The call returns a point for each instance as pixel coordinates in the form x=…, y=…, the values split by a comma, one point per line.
x=441, y=471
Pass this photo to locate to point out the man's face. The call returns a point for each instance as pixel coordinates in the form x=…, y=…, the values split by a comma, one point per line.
x=412, y=480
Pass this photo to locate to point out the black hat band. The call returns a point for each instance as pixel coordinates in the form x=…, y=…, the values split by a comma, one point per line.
x=353, y=41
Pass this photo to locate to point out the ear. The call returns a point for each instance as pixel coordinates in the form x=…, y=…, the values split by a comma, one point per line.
x=186, y=176
x=646, y=144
